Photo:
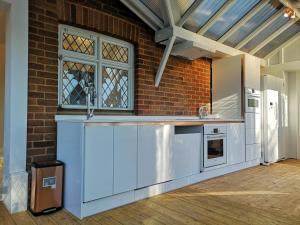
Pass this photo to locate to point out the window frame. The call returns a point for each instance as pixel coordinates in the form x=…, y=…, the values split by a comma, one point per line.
x=98, y=61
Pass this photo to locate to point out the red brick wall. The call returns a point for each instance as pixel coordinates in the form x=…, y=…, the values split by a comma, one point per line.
x=185, y=84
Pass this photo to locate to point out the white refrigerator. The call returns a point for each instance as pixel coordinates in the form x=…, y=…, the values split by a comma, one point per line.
x=271, y=125
x=273, y=105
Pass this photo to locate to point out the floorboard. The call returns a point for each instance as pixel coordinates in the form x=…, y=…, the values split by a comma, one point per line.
x=259, y=195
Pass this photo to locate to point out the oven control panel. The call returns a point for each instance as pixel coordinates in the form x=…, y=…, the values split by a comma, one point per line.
x=215, y=129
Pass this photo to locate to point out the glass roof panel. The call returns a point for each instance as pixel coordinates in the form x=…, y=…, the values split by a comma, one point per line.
x=202, y=14
x=154, y=6
x=253, y=23
x=183, y=5
x=229, y=18
x=283, y=37
x=266, y=33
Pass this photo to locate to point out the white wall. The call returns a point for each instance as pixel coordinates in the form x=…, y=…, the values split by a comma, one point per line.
x=294, y=114
x=286, y=58
x=2, y=76
x=15, y=183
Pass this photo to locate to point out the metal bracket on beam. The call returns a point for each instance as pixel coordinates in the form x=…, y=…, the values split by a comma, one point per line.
x=164, y=34
x=164, y=60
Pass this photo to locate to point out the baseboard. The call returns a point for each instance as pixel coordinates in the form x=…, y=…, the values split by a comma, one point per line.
x=15, y=191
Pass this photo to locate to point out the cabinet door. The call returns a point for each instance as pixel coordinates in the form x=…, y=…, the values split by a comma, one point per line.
x=252, y=72
x=236, y=143
x=125, y=158
x=186, y=154
x=154, y=158
x=253, y=128
x=98, y=162
x=253, y=152
x=226, y=87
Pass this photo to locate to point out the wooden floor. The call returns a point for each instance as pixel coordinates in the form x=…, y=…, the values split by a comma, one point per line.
x=259, y=195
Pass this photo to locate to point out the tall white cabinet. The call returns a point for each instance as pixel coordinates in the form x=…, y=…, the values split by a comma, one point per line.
x=253, y=121
x=230, y=77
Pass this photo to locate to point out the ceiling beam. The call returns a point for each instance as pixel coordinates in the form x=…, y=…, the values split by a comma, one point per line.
x=227, y=5
x=164, y=60
x=168, y=12
x=260, y=29
x=144, y=13
x=189, y=12
x=273, y=36
x=187, y=35
x=244, y=20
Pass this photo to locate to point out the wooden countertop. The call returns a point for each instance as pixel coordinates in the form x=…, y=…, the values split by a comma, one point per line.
x=158, y=122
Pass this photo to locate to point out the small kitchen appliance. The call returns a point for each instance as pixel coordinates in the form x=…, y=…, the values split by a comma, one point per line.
x=253, y=101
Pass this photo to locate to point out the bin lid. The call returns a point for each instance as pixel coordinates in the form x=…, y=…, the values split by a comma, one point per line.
x=47, y=164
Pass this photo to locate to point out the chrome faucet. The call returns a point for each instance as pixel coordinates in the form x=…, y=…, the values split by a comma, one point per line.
x=90, y=95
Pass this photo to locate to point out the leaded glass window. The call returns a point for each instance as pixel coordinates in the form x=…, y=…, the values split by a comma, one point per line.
x=75, y=77
x=78, y=44
x=114, y=87
x=90, y=58
x=114, y=52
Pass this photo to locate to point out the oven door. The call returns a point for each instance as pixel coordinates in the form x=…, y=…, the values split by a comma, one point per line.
x=214, y=150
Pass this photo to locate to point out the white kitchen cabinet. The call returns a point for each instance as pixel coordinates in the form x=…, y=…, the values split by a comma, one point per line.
x=154, y=154
x=98, y=162
x=253, y=128
x=236, y=143
x=227, y=87
x=186, y=149
x=109, y=166
x=253, y=152
x=125, y=158
x=252, y=72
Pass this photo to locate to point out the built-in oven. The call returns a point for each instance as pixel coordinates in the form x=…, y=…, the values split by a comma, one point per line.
x=252, y=101
x=214, y=147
